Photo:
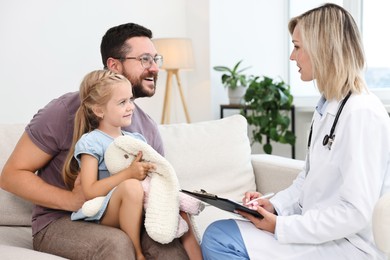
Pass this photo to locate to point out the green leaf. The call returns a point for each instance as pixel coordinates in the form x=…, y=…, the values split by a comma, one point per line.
x=269, y=102
x=290, y=137
x=267, y=148
x=273, y=134
x=233, y=77
x=258, y=137
x=263, y=121
x=236, y=66
x=222, y=68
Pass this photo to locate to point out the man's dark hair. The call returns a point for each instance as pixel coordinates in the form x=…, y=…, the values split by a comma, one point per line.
x=113, y=42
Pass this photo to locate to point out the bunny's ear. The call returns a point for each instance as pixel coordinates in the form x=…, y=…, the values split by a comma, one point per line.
x=129, y=144
x=132, y=146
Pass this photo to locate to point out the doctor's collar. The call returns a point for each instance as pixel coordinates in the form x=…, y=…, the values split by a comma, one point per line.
x=321, y=105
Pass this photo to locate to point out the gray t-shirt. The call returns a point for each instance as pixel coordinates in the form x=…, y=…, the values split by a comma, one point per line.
x=51, y=129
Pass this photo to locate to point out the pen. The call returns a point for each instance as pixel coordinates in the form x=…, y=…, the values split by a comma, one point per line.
x=266, y=196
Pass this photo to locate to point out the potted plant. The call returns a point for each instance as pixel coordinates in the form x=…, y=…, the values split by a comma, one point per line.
x=269, y=102
x=235, y=81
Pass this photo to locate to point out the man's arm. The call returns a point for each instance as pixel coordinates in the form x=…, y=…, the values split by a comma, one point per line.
x=18, y=177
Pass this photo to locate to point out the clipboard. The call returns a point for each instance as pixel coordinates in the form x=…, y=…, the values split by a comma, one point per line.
x=221, y=203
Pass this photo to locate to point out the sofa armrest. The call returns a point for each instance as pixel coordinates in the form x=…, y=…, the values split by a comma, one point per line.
x=274, y=173
x=381, y=223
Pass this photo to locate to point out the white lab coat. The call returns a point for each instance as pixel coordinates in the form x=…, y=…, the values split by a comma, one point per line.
x=326, y=213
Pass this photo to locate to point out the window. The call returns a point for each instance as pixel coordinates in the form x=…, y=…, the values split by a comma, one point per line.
x=375, y=15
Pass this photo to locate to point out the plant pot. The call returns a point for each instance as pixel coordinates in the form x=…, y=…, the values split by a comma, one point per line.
x=236, y=96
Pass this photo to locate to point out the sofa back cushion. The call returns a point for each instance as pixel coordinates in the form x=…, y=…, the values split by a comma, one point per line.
x=14, y=211
x=211, y=155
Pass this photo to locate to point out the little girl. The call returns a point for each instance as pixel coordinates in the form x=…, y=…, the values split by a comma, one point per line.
x=107, y=106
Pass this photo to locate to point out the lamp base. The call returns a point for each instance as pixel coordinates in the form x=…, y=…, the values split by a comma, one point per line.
x=167, y=98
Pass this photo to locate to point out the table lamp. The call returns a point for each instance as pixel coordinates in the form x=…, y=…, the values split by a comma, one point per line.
x=178, y=55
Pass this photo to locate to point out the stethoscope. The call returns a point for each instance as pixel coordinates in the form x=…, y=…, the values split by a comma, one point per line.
x=329, y=139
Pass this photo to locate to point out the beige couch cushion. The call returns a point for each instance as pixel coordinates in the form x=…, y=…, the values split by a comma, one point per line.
x=381, y=223
x=14, y=210
x=9, y=136
x=12, y=253
x=214, y=156
x=275, y=173
x=217, y=152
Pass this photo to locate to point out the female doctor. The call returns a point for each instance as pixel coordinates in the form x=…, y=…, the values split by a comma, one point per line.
x=326, y=212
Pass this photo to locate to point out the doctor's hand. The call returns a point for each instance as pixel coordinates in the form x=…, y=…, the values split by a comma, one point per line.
x=265, y=203
x=268, y=223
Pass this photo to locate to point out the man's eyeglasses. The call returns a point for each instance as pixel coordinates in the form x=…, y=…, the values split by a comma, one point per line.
x=146, y=60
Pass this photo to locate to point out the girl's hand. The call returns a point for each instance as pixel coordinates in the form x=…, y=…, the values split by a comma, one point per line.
x=139, y=169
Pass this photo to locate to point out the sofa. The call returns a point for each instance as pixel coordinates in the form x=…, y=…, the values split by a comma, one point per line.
x=212, y=155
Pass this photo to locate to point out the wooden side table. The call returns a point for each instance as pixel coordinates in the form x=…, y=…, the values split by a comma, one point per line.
x=232, y=106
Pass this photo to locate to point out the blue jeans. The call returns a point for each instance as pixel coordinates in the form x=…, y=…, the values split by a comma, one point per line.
x=222, y=240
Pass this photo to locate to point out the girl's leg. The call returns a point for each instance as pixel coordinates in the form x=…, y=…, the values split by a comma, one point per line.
x=189, y=240
x=125, y=211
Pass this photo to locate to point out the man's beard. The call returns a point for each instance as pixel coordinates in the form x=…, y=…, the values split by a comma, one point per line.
x=138, y=89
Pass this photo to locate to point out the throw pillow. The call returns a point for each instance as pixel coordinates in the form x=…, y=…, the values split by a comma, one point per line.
x=212, y=155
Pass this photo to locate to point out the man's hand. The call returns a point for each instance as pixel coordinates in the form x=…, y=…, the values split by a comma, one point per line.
x=78, y=195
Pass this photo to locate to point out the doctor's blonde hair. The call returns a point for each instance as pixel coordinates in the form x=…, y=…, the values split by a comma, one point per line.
x=332, y=40
x=95, y=91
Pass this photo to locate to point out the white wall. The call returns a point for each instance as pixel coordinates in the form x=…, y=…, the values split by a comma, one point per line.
x=194, y=17
x=254, y=31
x=47, y=46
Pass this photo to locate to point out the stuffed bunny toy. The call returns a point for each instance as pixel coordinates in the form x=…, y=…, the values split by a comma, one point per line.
x=162, y=200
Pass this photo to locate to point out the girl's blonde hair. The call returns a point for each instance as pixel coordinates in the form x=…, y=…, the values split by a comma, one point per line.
x=332, y=40
x=95, y=91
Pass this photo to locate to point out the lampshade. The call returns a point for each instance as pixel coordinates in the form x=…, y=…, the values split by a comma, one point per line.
x=177, y=52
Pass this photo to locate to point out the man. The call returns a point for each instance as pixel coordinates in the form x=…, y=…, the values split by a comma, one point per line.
x=126, y=49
